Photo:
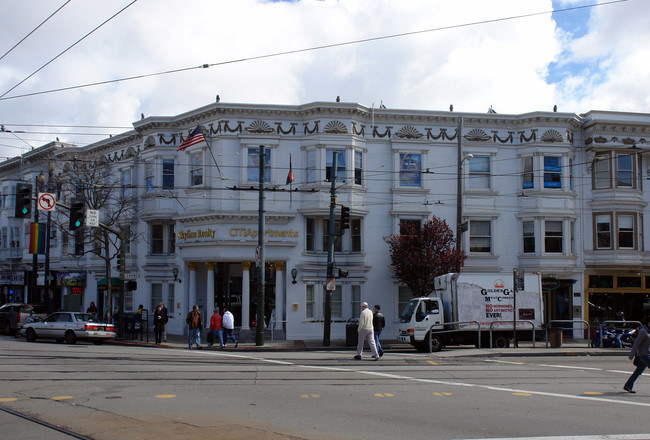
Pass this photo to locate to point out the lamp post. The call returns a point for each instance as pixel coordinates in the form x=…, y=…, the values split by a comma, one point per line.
x=460, y=225
x=47, y=282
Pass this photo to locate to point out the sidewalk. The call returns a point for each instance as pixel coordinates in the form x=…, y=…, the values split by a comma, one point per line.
x=570, y=347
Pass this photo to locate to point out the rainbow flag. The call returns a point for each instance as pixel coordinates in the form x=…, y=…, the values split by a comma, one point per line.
x=37, y=233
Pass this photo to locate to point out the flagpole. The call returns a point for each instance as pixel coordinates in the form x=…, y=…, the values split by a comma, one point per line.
x=213, y=158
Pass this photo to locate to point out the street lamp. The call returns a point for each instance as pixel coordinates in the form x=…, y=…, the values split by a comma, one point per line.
x=460, y=225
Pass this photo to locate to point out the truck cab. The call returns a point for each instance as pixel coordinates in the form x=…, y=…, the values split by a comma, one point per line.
x=418, y=317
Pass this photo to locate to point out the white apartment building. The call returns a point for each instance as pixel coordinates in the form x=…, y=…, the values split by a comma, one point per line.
x=555, y=193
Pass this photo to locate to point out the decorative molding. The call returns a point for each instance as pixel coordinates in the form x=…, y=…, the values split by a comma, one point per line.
x=313, y=130
x=551, y=136
x=360, y=132
x=409, y=132
x=477, y=135
x=246, y=265
x=292, y=130
x=495, y=137
x=260, y=127
x=335, y=127
x=193, y=265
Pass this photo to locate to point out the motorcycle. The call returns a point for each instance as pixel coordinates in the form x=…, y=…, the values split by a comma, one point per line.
x=612, y=337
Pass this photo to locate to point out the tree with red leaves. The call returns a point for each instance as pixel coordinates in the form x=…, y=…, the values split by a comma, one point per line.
x=418, y=255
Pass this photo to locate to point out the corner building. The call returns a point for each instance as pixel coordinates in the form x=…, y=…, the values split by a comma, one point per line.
x=554, y=193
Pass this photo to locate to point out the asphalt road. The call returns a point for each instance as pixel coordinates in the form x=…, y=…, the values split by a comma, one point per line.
x=121, y=392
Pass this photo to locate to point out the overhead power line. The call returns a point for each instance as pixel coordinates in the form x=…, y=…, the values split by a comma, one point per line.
x=314, y=48
x=34, y=30
x=69, y=47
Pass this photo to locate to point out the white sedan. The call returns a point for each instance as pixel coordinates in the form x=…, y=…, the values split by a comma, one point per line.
x=68, y=327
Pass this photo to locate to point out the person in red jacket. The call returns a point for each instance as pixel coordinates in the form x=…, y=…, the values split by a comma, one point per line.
x=216, y=328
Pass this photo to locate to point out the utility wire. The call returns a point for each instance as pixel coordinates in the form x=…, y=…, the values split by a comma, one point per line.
x=69, y=47
x=34, y=30
x=325, y=46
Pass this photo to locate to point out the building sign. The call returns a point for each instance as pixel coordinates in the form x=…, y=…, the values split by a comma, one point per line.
x=71, y=279
x=12, y=278
x=234, y=232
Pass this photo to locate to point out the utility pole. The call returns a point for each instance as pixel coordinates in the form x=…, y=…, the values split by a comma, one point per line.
x=120, y=302
x=460, y=226
x=261, y=272
x=330, y=255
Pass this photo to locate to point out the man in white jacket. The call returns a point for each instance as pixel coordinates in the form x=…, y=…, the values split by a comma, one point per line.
x=366, y=332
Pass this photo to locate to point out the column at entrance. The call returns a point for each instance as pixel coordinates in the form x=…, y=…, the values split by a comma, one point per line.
x=192, y=285
x=209, y=303
x=278, y=325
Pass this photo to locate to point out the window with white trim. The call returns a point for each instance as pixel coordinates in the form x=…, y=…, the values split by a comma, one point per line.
x=253, y=164
x=625, y=171
x=601, y=171
x=625, y=224
x=358, y=167
x=552, y=172
x=127, y=183
x=336, y=302
x=149, y=176
x=603, y=231
x=340, y=165
x=479, y=172
x=529, y=236
x=410, y=169
x=553, y=236
x=168, y=174
x=196, y=168
x=528, y=176
x=480, y=236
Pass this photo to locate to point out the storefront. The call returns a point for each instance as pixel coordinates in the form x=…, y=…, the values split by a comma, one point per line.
x=617, y=297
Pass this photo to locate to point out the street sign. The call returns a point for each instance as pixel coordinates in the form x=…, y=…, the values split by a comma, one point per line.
x=46, y=202
x=132, y=276
x=92, y=217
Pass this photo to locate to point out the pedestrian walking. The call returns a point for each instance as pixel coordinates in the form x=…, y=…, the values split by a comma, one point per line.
x=366, y=332
x=640, y=351
x=195, y=325
x=92, y=309
x=378, y=323
x=228, y=323
x=216, y=328
x=158, y=323
x=165, y=319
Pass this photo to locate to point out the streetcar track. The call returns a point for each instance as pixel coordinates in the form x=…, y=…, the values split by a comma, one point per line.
x=45, y=424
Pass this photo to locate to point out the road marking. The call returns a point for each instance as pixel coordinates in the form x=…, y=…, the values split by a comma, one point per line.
x=580, y=437
x=165, y=396
x=441, y=394
x=8, y=399
x=594, y=393
x=307, y=396
x=384, y=395
x=570, y=367
x=498, y=361
x=521, y=394
x=433, y=363
x=62, y=397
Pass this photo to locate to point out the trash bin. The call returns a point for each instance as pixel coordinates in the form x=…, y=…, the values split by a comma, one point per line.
x=555, y=336
x=351, y=332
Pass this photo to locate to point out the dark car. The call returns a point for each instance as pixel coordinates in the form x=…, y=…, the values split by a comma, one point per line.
x=14, y=315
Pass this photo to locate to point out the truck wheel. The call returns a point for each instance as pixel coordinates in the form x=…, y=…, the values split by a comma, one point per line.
x=594, y=343
x=7, y=328
x=501, y=342
x=435, y=343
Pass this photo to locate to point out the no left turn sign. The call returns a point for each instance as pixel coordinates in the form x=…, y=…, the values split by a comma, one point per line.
x=46, y=202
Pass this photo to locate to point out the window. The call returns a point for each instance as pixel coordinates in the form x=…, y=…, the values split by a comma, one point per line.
x=355, y=233
x=358, y=167
x=168, y=174
x=553, y=237
x=338, y=243
x=480, y=237
x=601, y=171
x=340, y=165
x=479, y=172
x=310, y=234
x=404, y=296
x=309, y=302
x=410, y=169
x=127, y=183
x=337, y=301
x=625, y=171
x=311, y=172
x=196, y=168
x=149, y=176
x=355, y=299
x=254, y=165
x=528, y=175
x=625, y=231
x=529, y=236
x=552, y=172
x=156, y=296
x=406, y=225
x=4, y=237
x=162, y=239
x=603, y=231
x=171, y=290
x=157, y=242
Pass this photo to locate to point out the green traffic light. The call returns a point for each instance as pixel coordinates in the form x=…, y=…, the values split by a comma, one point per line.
x=25, y=210
x=77, y=224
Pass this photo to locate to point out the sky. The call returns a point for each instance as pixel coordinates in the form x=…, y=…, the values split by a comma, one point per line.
x=512, y=55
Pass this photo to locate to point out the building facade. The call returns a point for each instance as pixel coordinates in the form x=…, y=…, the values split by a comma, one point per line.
x=554, y=193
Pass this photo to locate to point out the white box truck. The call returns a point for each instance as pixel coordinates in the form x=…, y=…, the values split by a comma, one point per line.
x=451, y=315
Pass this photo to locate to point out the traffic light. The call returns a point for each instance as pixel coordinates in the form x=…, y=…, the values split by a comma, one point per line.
x=120, y=263
x=131, y=285
x=341, y=273
x=345, y=218
x=77, y=214
x=23, y=200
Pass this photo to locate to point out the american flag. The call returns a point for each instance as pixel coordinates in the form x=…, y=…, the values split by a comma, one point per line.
x=196, y=137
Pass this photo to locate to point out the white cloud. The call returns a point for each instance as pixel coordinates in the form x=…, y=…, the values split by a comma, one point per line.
x=503, y=64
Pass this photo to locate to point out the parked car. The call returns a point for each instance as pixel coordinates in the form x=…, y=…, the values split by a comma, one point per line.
x=69, y=327
x=13, y=316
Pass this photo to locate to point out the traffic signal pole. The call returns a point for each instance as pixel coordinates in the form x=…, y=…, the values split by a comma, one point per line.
x=330, y=255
